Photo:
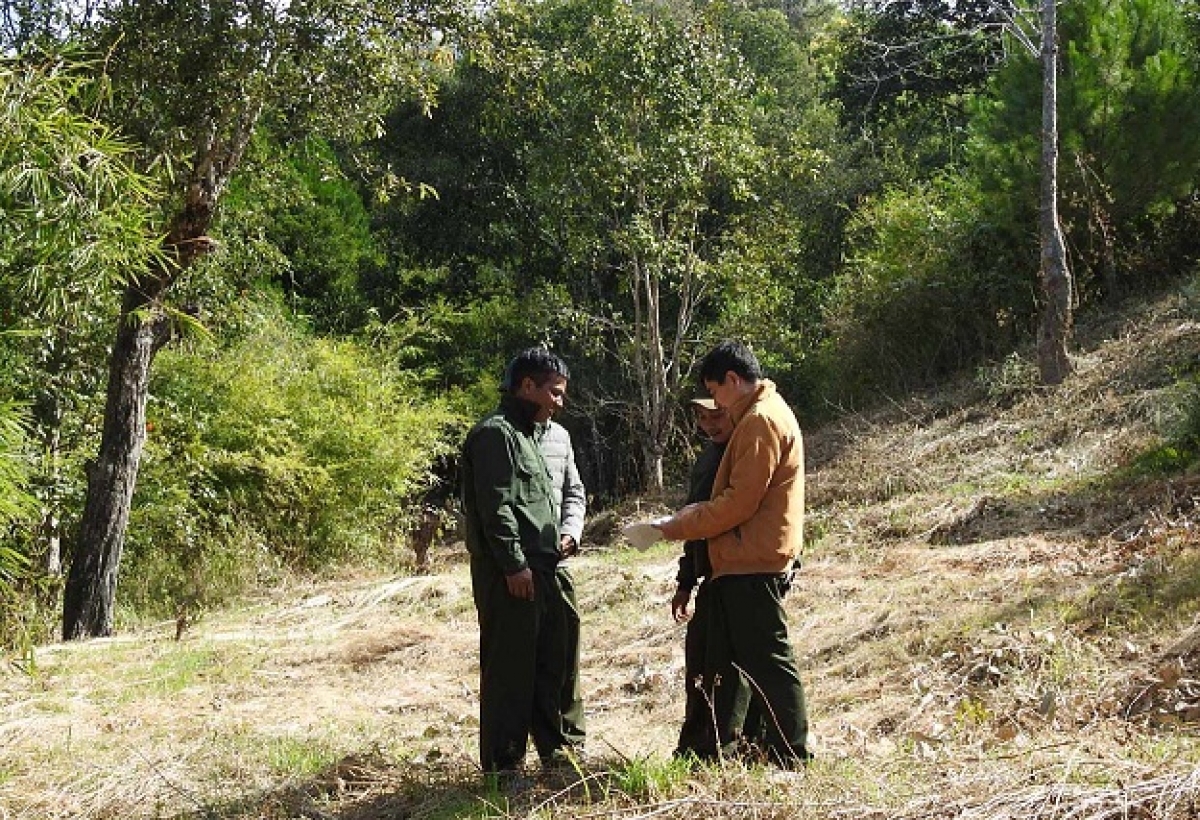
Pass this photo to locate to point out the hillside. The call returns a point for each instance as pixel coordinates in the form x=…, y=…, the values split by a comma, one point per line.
x=996, y=619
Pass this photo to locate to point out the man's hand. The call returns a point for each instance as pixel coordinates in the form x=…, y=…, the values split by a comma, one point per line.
x=679, y=605
x=567, y=547
x=520, y=584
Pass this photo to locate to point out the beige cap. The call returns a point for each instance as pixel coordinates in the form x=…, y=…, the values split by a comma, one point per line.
x=707, y=404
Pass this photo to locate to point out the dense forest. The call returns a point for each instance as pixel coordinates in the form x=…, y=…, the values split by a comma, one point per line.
x=261, y=263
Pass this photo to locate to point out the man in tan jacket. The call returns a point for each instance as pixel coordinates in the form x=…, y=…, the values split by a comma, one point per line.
x=754, y=523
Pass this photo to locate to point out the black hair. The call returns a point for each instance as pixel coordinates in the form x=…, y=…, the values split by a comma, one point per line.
x=537, y=363
x=726, y=356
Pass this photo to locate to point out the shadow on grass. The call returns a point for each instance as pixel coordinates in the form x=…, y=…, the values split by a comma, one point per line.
x=1118, y=555
x=1136, y=536
x=373, y=788
x=1119, y=507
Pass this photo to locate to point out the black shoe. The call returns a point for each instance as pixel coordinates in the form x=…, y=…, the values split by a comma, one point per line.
x=793, y=759
x=560, y=760
x=507, y=781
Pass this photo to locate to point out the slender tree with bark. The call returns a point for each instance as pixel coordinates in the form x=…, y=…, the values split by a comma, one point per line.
x=1037, y=32
x=1054, y=328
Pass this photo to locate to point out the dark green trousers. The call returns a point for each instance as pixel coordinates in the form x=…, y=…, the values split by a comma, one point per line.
x=697, y=735
x=522, y=663
x=747, y=634
x=573, y=724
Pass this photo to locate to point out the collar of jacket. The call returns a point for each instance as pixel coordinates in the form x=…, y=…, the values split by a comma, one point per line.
x=763, y=389
x=520, y=412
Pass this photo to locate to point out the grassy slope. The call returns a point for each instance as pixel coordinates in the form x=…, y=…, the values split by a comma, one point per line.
x=994, y=620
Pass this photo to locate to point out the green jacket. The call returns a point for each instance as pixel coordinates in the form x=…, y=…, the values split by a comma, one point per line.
x=507, y=497
x=693, y=564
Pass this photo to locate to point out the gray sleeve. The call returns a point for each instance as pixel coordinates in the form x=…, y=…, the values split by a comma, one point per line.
x=574, y=501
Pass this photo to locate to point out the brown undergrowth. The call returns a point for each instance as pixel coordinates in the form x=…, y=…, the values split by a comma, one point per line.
x=997, y=618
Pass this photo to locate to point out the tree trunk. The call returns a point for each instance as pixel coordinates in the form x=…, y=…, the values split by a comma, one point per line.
x=648, y=357
x=48, y=416
x=648, y=370
x=652, y=454
x=656, y=377
x=111, y=478
x=1057, y=290
x=144, y=328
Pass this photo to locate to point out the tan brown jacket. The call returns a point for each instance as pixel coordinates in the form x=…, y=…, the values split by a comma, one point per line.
x=755, y=520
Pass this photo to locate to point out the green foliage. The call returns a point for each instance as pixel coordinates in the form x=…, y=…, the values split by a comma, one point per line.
x=15, y=501
x=76, y=223
x=193, y=81
x=929, y=291
x=1129, y=123
x=651, y=780
x=1007, y=381
x=1180, y=450
x=189, y=70
x=463, y=241
x=75, y=213
x=295, y=210
x=1165, y=589
x=298, y=757
x=905, y=73
x=1188, y=432
x=915, y=56
x=1127, y=62
x=278, y=450
x=465, y=347
x=781, y=248
x=940, y=273
x=651, y=115
x=16, y=508
x=654, y=176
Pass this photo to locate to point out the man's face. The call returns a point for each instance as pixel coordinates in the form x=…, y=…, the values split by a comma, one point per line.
x=548, y=396
x=725, y=393
x=715, y=424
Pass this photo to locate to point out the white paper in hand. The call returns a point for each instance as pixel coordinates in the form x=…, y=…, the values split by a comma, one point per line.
x=642, y=535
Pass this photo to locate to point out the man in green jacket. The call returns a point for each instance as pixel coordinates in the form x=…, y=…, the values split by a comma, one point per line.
x=570, y=496
x=512, y=534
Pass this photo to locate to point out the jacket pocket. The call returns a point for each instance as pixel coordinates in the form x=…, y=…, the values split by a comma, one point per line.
x=523, y=481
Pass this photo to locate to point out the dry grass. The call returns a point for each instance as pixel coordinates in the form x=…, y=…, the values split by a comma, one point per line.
x=994, y=621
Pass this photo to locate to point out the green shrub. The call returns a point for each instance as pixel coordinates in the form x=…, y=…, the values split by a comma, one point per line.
x=14, y=469
x=930, y=289
x=1180, y=450
x=16, y=615
x=282, y=450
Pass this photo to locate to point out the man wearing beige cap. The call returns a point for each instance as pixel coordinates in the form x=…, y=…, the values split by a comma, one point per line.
x=697, y=737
